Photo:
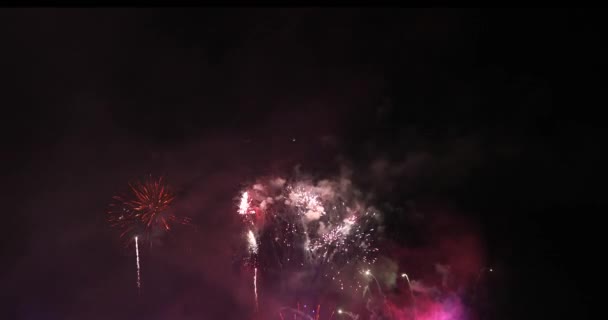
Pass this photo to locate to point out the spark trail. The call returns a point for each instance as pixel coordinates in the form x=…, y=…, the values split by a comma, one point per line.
x=349, y=314
x=409, y=285
x=137, y=260
x=253, y=244
x=255, y=286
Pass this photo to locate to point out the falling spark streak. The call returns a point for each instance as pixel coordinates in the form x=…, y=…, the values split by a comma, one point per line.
x=349, y=314
x=137, y=259
x=409, y=284
x=255, y=286
x=253, y=244
x=369, y=274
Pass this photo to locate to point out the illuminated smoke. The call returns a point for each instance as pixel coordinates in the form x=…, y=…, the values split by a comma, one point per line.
x=317, y=240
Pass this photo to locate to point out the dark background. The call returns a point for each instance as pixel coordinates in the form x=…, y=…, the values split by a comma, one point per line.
x=504, y=105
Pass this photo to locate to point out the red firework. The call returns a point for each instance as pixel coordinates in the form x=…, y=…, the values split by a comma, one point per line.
x=145, y=208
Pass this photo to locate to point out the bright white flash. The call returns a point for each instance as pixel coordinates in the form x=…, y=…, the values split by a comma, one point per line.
x=244, y=206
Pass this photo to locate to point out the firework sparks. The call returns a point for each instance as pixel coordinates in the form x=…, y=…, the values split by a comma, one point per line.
x=244, y=205
x=253, y=243
x=321, y=231
x=255, y=286
x=146, y=208
x=317, y=241
x=409, y=284
x=137, y=260
x=349, y=314
x=253, y=249
x=368, y=273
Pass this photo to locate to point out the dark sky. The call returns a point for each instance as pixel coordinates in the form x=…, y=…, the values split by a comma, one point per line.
x=494, y=112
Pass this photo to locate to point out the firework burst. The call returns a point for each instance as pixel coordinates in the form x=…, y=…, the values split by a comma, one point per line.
x=144, y=209
x=315, y=244
x=318, y=233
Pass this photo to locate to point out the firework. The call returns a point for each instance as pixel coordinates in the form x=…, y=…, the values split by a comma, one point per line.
x=244, y=205
x=409, y=285
x=369, y=274
x=255, y=286
x=253, y=243
x=137, y=260
x=145, y=209
x=349, y=314
x=321, y=233
x=317, y=242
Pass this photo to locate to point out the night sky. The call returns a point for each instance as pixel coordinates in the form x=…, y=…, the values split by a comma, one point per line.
x=492, y=117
